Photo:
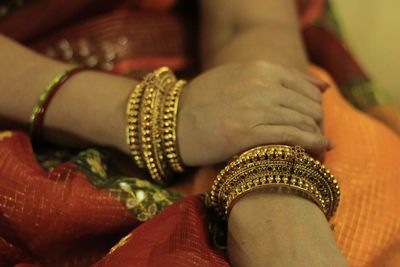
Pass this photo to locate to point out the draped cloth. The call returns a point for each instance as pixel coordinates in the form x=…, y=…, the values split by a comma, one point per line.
x=62, y=208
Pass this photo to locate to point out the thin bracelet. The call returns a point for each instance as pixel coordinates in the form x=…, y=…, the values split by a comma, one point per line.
x=39, y=111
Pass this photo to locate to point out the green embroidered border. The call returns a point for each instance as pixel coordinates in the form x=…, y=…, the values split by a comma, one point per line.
x=140, y=196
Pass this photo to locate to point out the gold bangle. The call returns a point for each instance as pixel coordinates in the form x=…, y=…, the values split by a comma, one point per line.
x=170, y=113
x=275, y=166
x=155, y=86
x=132, y=129
x=317, y=173
x=151, y=124
x=233, y=179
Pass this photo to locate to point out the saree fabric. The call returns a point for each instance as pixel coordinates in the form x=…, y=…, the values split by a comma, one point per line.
x=68, y=209
x=47, y=212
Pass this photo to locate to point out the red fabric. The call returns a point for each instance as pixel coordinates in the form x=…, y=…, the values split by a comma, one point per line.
x=367, y=223
x=46, y=213
x=132, y=39
x=176, y=237
x=52, y=217
x=326, y=50
x=310, y=11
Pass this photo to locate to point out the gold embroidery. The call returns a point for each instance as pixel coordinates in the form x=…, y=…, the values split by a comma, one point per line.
x=139, y=196
x=120, y=243
x=96, y=166
x=142, y=202
x=5, y=134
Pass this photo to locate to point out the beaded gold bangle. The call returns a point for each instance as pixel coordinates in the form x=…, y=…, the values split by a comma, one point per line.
x=132, y=129
x=312, y=170
x=275, y=166
x=150, y=125
x=170, y=113
x=39, y=111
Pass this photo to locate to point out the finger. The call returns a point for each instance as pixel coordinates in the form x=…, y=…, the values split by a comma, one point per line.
x=295, y=101
x=331, y=145
x=263, y=134
x=285, y=116
x=322, y=85
x=295, y=81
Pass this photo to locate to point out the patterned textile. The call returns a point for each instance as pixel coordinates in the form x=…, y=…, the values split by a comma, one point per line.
x=366, y=225
x=68, y=208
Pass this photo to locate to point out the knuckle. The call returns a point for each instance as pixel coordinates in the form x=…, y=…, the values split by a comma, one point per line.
x=294, y=71
x=313, y=92
x=309, y=124
x=319, y=114
x=319, y=143
x=272, y=112
x=318, y=94
x=250, y=80
x=254, y=84
x=278, y=68
x=289, y=96
x=257, y=68
x=307, y=120
x=281, y=117
x=290, y=136
x=257, y=64
x=290, y=77
x=242, y=85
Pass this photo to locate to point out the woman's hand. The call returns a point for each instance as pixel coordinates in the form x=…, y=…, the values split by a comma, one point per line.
x=235, y=107
x=276, y=230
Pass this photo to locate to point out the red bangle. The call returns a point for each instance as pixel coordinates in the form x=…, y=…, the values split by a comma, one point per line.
x=39, y=111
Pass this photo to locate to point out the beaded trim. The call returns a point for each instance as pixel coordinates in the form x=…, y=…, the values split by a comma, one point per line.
x=132, y=130
x=275, y=166
x=170, y=115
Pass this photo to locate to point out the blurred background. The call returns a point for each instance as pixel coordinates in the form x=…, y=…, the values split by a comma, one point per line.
x=371, y=29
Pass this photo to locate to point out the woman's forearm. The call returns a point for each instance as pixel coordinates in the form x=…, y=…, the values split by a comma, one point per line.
x=280, y=230
x=90, y=107
x=267, y=229
x=237, y=30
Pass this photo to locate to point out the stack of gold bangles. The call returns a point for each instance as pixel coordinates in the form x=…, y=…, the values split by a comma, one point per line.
x=278, y=167
x=151, y=130
x=151, y=134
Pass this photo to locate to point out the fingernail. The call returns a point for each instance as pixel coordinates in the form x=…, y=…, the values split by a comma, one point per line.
x=324, y=86
x=321, y=84
x=331, y=145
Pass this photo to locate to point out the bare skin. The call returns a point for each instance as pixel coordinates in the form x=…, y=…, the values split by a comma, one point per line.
x=261, y=45
x=267, y=229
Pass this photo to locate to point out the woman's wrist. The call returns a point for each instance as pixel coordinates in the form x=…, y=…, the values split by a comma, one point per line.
x=279, y=229
x=90, y=108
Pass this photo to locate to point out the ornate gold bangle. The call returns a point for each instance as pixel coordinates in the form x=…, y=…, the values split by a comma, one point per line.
x=132, y=129
x=312, y=170
x=170, y=113
x=151, y=124
x=275, y=166
x=155, y=86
